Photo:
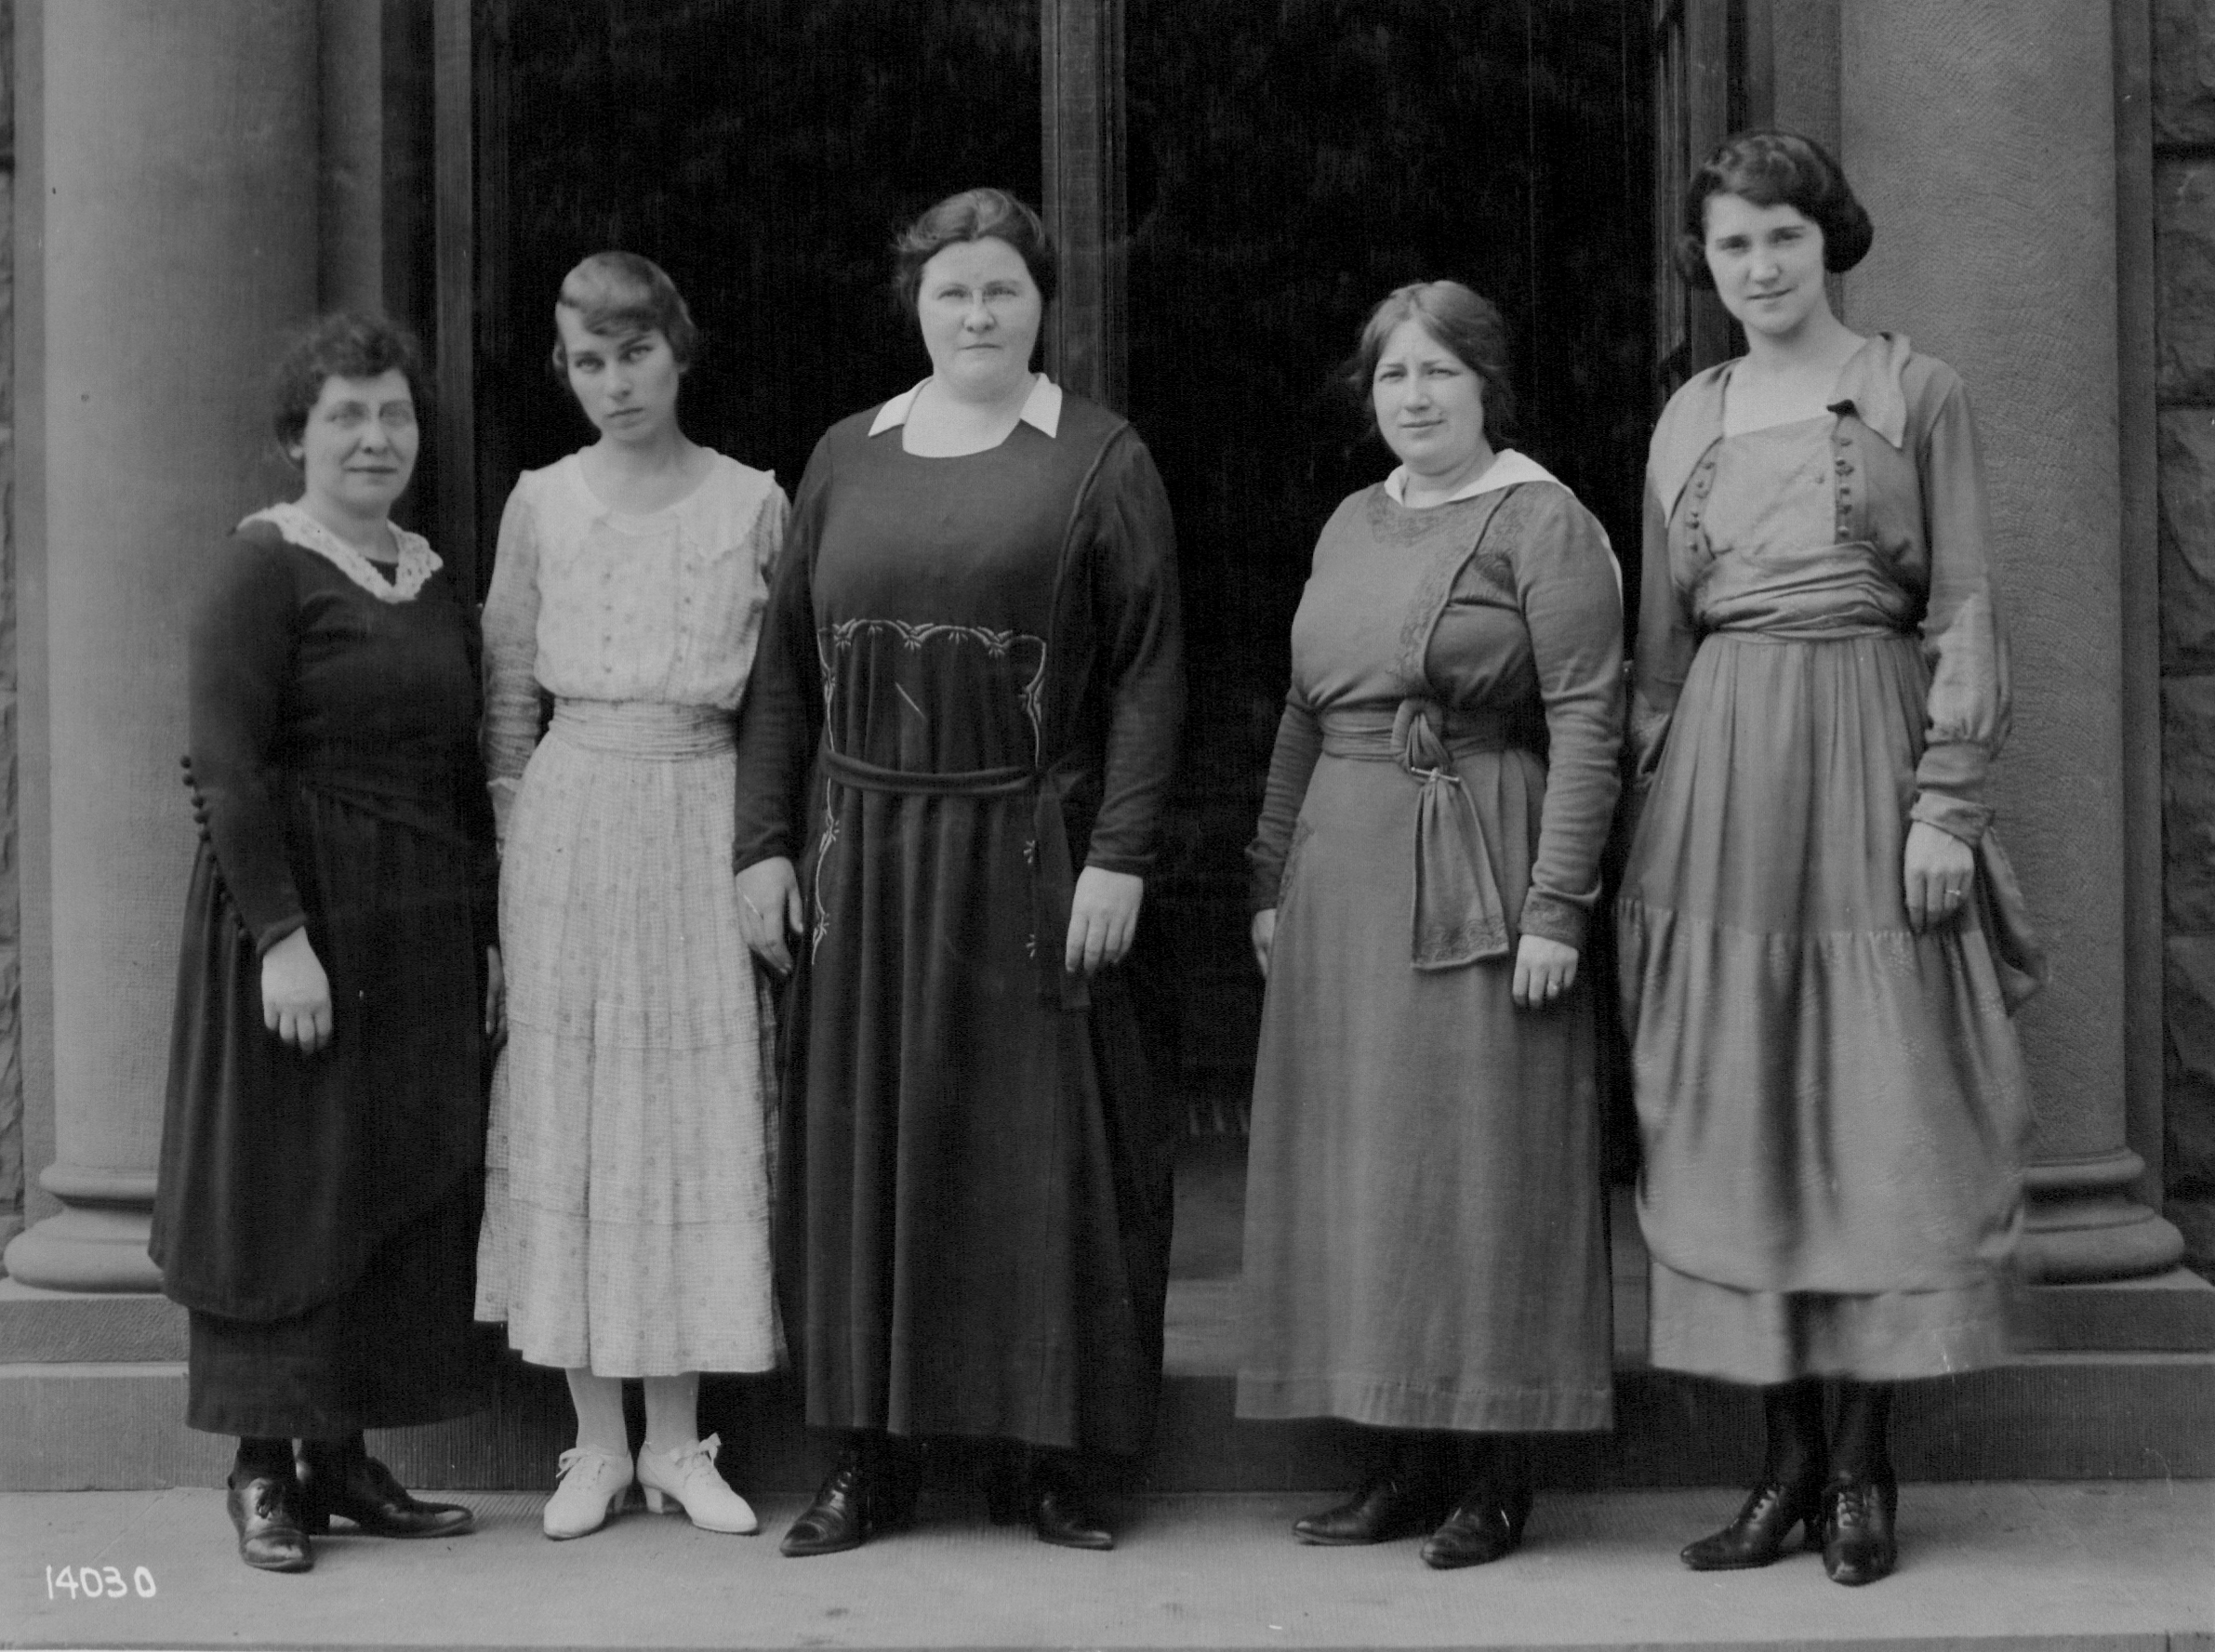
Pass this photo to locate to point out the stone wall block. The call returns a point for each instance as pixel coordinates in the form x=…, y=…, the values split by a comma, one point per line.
x=2187, y=515
x=2184, y=278
x=2184, y=72
x=2189, y=1068
x=2188, y=804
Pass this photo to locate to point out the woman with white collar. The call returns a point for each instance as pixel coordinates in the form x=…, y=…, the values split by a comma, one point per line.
x=1424, y=1251
x=323, y=1143
x=963, y=728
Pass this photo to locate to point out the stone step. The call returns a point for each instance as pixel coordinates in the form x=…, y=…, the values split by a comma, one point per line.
x=2071, y=1567
x=2116, y=1380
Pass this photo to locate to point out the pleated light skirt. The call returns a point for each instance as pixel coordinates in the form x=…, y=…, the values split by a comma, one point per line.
x=628, y=1163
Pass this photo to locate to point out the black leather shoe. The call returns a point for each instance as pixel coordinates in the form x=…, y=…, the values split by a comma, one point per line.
x=265, y=1509
x=866, y=1493
x=1485, y=1526
x=1387, y=1507
x=1858, y=1544
x=1762, y=1529
x=1059, y=1514
x=356, y=1487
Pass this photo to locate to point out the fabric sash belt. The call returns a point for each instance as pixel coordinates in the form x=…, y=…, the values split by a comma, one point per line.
x=1459, y=915
x=1053, y=877
x=1759, y=631
x=653, y=730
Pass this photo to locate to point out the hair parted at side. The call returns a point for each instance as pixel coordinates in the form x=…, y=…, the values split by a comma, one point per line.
x=614, y=294
x=343, y=344
x=1465, y=323
x=1773, y=168
x=974, y=215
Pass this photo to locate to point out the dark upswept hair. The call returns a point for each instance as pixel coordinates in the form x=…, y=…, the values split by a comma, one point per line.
x=1465, y=323
x=343, y=344
x=617, y=293
x=1773, y=168
x=974, y=215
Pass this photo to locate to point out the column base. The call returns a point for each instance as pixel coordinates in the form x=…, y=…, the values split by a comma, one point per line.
x=2083, y=1225
x=98, y=1243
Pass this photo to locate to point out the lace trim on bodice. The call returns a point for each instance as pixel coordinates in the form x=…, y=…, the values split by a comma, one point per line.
x=417, y=561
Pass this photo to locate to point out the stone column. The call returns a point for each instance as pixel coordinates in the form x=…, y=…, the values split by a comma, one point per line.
x=1982, y=136
x=177, y=149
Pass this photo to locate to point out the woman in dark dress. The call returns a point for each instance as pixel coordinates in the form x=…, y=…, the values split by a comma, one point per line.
x=322, y=1142
x=962, y=724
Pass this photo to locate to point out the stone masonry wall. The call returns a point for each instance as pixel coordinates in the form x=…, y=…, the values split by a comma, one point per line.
x=2184, y=74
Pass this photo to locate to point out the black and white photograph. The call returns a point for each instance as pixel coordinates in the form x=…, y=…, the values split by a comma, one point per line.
x=1107, y=824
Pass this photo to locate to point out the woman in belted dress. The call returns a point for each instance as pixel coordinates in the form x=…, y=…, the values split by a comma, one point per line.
x=1425, y=1250
x=323, y=1138
x=1822, y=942
x=964, y=727
x=627, y=1201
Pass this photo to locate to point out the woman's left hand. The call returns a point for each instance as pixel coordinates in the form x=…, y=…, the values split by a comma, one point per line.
x=495, y=998
x=1102, y=918
x=1937, y=870
x=1544, y=970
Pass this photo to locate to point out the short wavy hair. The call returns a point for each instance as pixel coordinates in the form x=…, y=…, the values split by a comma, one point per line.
x=974, y=215
x=1465, y=323
x=614, y=294
x=1774, y=168
x=343, y=344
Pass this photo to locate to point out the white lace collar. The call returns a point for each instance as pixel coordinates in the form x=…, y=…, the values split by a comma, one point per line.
x=417, y=561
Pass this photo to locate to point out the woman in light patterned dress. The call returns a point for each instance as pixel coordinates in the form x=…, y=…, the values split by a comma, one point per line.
x=626, y=1226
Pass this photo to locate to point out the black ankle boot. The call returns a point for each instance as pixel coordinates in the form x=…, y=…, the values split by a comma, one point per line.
x=1404, y=1496
x=1861, y=1501
x=1057, y=1508
x=341, y=1477
x=1789, y=1495
x=1486, y=1524
x=870, y=1489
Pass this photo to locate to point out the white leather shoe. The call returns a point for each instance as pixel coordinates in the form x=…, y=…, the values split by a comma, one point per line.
x=591, y=1480
x=688, y=1474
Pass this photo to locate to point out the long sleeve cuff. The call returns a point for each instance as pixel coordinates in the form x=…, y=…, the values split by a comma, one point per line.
x=1554, y=919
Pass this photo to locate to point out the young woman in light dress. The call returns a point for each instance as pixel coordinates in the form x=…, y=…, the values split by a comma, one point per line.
x=626, y=1230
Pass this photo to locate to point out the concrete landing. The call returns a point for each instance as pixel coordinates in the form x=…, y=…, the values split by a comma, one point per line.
x=2014, y=1565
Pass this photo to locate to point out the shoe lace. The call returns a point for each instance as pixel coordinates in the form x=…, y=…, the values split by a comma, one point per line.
x=690, y=1459
x=576, y=1456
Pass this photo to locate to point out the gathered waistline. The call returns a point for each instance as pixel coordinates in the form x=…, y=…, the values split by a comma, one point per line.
x=651, y=729
x=1856, y=633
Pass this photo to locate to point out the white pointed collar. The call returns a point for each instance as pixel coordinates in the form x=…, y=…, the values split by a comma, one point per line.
x=1508, y=469
x=1042, y=408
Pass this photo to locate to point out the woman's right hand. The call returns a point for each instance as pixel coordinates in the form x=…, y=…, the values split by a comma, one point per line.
x=1264, y=931
x=295, y=994
x=769, y=910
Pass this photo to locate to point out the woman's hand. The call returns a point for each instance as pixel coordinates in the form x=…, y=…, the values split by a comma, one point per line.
x=1937, y=870
x=1544, y=970
x=1263, y=930
x=1102, y=918
x=769, y=910
x=495, y=998
x=295, y=994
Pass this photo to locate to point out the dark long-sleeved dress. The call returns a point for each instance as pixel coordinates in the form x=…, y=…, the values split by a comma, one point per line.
x=318, y=1213
x=1832, y=1104
x=968, y=687
x=1424, y=1234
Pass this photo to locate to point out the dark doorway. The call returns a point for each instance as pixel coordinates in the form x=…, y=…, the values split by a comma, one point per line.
x=1279, y=168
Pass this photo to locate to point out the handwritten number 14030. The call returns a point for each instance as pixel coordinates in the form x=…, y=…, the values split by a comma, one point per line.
x=98, y=1582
